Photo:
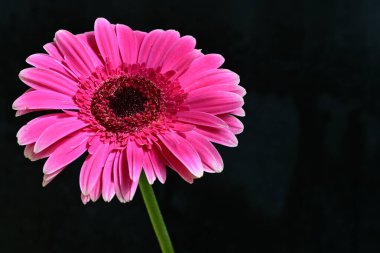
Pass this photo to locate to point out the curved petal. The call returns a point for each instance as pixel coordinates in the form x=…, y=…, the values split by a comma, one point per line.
x=202, y=64
x=128, y=44
x=57, y=131
x=210, y=77
x=45, y=61
x=75, y=53
x=146, y=46
x=43, y=99
x=92, y=168
x=159, y=50
x=221, y=136
x=217, y=102
x=182, y=151
x=135, y=156
x=30, y=132
x=53, y=50
x=234, y=124
x=69, y=149
x=108, y=188
x=180, y=48
x=158, y=164
x=200, y=118
x=209, y=155
x=89, y=40
x=107, y=42
x=45, y=79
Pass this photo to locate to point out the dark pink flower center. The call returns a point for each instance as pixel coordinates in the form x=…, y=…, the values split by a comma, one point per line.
x=125, y=104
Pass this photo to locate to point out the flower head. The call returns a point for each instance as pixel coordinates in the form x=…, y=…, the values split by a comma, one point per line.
x=134, y=101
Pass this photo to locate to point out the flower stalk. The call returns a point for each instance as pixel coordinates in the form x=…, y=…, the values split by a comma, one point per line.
x=155, y=215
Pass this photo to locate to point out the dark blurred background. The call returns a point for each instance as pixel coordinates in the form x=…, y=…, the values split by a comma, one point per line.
x=305, y=177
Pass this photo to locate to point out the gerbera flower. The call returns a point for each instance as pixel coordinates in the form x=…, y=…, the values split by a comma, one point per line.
x=134, y=101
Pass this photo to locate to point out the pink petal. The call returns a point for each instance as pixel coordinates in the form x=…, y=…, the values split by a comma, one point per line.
x=204, y=63
x=45, y=61
x=182, y=151
x=181, y=47
x=216, y=102
x=92, y=169
x=43, y=99
x=96, y=191
x=53, y=50
x=238, y=112
x=31, y=155
x=57, y=131
x=207, y=152
x=47, y=178
x=135, y=156
x=183, y=64
x=221, y=136
x=75, y=53
x=148, y=169
x=48, y=80
x=158, y=164
x=88, y=39
x=210, y=77
x=234, y=124
x=107, y=42
x=108, y=188
x=146, y=46
x=32, y=130
x=159, y=50
x=122, y=181
x=219, y=87
x=200, y=118
x=68, y=150
x=128, y=44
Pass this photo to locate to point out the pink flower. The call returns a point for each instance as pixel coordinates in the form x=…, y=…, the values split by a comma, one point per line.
x=134, y=101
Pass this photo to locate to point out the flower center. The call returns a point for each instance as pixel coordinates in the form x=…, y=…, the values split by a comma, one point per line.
x=126, y=101
x=126, y=104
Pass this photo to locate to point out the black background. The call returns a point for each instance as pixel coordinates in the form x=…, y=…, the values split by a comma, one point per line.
x=305, y=177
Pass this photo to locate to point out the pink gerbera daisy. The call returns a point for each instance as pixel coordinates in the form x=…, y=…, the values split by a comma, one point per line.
x=134, y=101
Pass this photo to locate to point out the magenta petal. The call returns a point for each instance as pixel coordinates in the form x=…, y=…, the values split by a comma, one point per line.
x=108, y=188
x=33, y=129
x=234, y=124
x=128, y=44
x=148, y=169
x=122, y=181
x=47, y=178
x=160, y=50
x=53, y=50
x=207, y=152
x=135, y=156
x=107, y=42
x=183, y=151
x=221, y=136
x=48, y=80
x=210, y=77
x=147, y=45
x=200, y=118
x=75, y=53
x=204, y=63
x=58, y=131
x=88, y=39
x=217, y=102
x=96, y=191
x=181, y=47
x=44, y=61
x=43, y=99
x=69, y=149
x=158, y=164
x=92, y=169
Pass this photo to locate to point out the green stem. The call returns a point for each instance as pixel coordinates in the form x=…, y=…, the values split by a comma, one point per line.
x=155, y=215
